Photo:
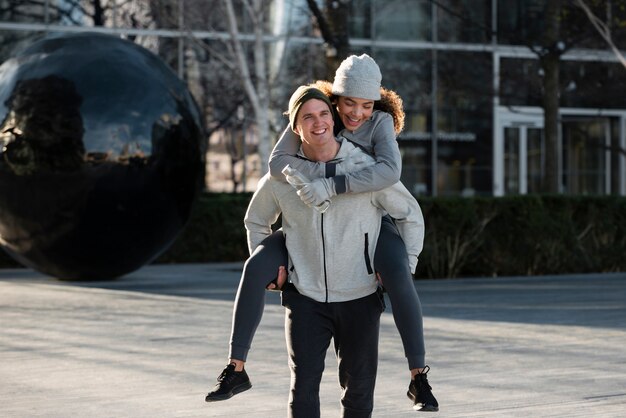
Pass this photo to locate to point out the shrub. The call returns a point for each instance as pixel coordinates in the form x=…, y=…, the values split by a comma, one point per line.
x=215, y=231
x=502, y=236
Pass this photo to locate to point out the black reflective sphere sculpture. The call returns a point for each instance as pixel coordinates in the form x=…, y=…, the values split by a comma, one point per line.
x=100, y=156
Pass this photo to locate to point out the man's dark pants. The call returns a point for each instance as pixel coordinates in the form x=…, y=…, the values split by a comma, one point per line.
x=309, y=327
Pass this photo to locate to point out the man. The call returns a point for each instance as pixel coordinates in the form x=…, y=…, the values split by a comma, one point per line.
x=332, y=290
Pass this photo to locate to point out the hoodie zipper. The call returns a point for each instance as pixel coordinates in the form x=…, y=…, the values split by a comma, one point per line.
x=324, y=257
x=368, y=263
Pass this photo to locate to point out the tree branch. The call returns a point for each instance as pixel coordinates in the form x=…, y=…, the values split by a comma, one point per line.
x=603, y=30
x=241, y=57
x=327, y=33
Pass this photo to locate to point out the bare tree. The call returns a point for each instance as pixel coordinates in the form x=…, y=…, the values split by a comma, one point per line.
x=109, y=13
x=553, y=29
x=257, y=88
x=230, y=69
x=550, y=29
x=603, y=29
x=332, y=23
x=76, y=12
x=550, y=57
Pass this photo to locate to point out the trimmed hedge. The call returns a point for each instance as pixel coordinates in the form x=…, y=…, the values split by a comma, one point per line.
x=506, y=236
x=214, y=233
x=523, y=235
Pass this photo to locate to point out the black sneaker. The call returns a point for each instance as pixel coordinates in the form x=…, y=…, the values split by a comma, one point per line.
x=229, y=383
x=420, y=393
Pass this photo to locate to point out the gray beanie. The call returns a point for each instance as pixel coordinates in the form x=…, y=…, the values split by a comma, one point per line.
x=358, y=77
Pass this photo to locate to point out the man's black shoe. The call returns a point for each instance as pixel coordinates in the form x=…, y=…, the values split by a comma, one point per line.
x=420, y=393
x=229, y=383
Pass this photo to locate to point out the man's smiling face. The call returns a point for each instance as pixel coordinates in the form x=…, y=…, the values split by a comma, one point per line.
x=315, y=123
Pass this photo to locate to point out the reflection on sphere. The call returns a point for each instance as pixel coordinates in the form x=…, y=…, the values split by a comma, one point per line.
x=100, y=156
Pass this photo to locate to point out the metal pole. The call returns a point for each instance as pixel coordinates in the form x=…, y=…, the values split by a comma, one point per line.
x=497, y=141
x=434, y=102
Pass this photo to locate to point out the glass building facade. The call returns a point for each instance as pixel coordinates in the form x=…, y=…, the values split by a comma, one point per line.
x=471, y=78
x=470, y=75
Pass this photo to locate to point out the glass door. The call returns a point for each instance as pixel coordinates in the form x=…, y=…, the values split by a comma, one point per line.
x=518, y=151
x=591, y=151
x=512, y=161
x=523, y=159
x=535, y=159
x=586, y=156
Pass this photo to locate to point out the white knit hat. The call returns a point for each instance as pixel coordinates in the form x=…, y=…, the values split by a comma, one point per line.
x=358, y=77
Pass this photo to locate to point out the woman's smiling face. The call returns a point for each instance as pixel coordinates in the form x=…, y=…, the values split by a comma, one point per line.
x=354, y=111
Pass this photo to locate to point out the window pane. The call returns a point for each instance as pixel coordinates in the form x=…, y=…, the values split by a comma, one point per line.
x=416, y=175
x=404, y=20
x=524, y=22
x=584, y=156
x=360, y=19
x=519, y=20
x=407, y=72
x=593, y=84
x=511, y=161
x=617, y=155
x=464, y=21
x=464, y=122
x=534, y=159
x=520, y=82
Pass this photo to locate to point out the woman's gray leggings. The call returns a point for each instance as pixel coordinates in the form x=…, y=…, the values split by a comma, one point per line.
x=390, y=260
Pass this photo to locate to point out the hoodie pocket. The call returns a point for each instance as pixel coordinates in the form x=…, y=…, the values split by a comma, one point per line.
x=366, y=253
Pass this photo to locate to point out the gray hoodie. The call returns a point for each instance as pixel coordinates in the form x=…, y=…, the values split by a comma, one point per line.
x=331, y=255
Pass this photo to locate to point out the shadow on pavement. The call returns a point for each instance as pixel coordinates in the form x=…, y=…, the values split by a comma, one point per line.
x=597, y=300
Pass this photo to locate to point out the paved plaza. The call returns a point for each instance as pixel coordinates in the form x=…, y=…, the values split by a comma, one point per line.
x=151, y=344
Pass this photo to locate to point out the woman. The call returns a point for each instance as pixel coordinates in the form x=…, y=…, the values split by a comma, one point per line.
x=371, y=117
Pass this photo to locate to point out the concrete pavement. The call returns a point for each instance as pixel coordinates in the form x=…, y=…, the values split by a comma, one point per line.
x=150, y=344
